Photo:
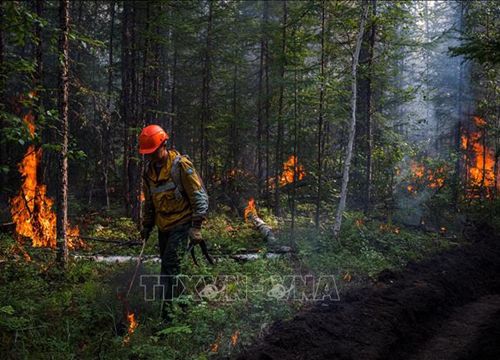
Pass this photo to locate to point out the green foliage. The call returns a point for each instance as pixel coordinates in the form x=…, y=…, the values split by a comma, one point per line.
x=478, y=48
x=367, y=247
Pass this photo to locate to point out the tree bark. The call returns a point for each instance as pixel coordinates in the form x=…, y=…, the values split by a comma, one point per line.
x=2, y=51
x=352, y=127
x=205, y=96
x=107, y=123
x=369, y=111
x=62, y=208
x=267, y=98
x=233, y=133
x=456, y=182
x=3, y=146
x=173, y=100
x=260, y=175
x=295, y=153
x=125, y=101
x=280, y=135
x=319, y=157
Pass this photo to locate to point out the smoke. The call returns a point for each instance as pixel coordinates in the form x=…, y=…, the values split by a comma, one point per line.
x=439, y=80
x=442, y=98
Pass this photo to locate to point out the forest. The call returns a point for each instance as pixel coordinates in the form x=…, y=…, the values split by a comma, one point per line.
x=250, y=179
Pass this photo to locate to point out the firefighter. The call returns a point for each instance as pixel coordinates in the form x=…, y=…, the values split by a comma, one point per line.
x=175, y=201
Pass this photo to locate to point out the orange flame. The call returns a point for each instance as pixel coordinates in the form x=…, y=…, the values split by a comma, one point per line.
x=31, y=209
x=291, y=168
x=417, y=170
x=431, y=178
x=235, y=337
x=389, y=228
x=479, y=121
x=359, y=222
x=250, y=209
x=215, y=346
x=479, y=159
x=132, y=325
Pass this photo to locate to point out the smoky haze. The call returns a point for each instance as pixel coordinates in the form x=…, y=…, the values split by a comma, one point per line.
x=442, y=98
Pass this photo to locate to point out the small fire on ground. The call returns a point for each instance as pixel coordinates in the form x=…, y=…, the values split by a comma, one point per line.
x=215, y=346
x=132, y=325
x=250, y=210
x=235, y=337
x=31, y=208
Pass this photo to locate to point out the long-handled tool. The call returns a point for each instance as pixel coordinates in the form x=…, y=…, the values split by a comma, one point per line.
x=139, y=261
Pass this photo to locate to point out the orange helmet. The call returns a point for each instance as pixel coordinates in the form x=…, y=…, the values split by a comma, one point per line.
x=151, y=138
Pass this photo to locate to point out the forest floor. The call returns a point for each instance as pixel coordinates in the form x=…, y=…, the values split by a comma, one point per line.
x=80, y=312
x=445, y=307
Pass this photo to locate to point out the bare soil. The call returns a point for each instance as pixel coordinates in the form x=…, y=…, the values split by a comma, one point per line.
x=446, y=307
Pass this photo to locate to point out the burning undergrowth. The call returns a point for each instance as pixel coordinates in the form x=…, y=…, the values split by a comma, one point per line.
x=480, y=167
x=432, y=189
x=31, y=208
x=421, y=180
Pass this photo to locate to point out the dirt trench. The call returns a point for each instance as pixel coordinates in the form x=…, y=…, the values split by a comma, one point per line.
x=446, y=307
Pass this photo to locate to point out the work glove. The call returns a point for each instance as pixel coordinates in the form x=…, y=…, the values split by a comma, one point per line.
x=195, y=230
x=195, y=235
x=145, y=233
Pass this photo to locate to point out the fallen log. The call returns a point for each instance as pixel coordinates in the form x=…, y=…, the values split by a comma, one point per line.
x=248, y=256
x=265, y=230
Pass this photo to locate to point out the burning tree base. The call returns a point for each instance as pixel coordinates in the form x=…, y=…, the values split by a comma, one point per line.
x=251, y=216
x=263, y=228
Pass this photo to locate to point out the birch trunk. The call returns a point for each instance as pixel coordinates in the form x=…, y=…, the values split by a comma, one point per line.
x=352, y=127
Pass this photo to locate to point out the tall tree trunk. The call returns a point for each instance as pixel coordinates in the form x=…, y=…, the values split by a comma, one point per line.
x=173, y=99
x=263, y=49
x=3, y=146
x=352, y=127
x=109, y=117
x=280, y=135
x=62, y=206
x=267, y=106
x=2, y=50
x=38, y=48
x=295, y=152
x=319, y=157
x=136, y=119
x=125, y=101
x=37, y=85
x=368, y=108
x=456, y=182
x=205, y=96
x=234, y=121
